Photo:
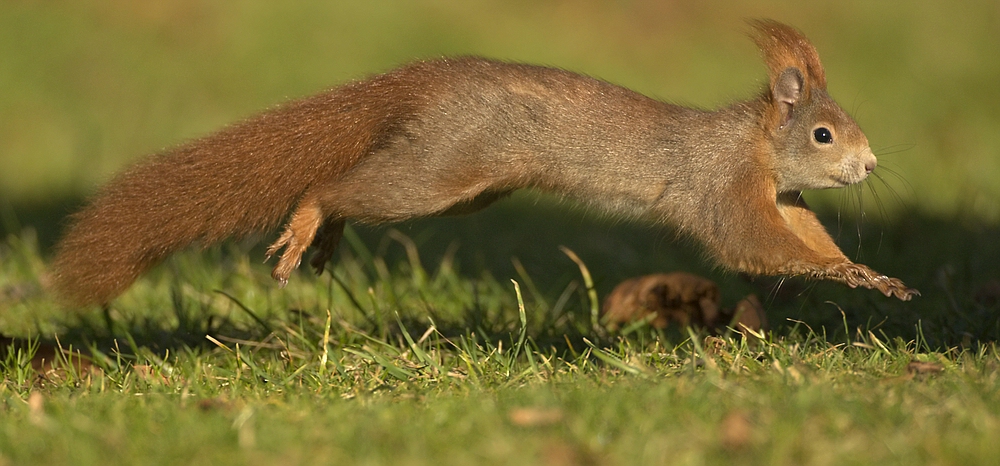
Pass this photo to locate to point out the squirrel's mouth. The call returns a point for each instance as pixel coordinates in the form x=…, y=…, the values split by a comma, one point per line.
x=850, y=174
x=844, y=182
x=836, y=183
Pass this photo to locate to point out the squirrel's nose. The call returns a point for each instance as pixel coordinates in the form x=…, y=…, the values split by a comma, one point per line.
x=868, y=157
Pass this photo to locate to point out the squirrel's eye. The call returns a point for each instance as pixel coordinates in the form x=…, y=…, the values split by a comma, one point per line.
x=822, y=135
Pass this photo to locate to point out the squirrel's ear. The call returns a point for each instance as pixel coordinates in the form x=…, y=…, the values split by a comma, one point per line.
x=792, y=65
x=785, y=47
x=786, y=92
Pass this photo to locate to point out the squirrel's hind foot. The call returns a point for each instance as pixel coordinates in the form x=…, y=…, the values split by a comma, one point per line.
x=289, y=260
x=326, y=243
x=298, y=235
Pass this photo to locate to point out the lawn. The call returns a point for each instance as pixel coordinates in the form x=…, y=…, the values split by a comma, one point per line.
x=471, y=340
x=206, y=362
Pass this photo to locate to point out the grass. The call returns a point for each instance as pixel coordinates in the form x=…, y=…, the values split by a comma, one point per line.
x=386, y=362
x=419, y=348
x=792, y=404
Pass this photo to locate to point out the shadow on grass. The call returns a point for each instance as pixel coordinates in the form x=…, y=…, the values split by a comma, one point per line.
x=952, y=261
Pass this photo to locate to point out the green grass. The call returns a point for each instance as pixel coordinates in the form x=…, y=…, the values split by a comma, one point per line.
x=416, y=350
x=804, y=403
x=205, y=361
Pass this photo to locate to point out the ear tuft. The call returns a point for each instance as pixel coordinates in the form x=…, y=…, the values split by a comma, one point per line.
x=785, y=47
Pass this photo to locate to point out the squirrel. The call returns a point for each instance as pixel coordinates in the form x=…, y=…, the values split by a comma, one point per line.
x=451, y=136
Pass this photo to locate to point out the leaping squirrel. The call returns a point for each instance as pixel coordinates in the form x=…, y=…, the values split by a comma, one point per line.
x=454, y=135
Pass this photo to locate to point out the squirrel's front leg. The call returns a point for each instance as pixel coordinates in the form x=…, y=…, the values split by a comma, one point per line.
x=786, y=238
x=803, y=223
x=854, y=275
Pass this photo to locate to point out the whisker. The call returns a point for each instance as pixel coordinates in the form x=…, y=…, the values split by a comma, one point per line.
x=840, y=218
x=856, y=105
x=810, y=286
x=879, y=205
x=860, y=218
x=773, y=293
x=898, y=176
x=893, y=149
x=883, y=213
x=899, y=199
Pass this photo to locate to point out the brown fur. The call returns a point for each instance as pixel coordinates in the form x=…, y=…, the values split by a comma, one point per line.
x=452, y=136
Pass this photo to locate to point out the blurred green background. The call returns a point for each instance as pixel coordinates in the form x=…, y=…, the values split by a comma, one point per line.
x=86, y=87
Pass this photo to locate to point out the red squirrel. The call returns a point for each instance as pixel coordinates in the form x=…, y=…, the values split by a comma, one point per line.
x=451, y=136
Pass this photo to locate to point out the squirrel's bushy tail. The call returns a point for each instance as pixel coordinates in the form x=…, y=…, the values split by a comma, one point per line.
x=242, y=180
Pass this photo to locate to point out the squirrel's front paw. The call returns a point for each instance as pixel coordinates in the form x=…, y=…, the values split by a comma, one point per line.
x=855, y=275
x=890, y=286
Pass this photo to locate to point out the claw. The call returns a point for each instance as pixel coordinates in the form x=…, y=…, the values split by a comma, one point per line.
x=289, y=259
x=854, y=275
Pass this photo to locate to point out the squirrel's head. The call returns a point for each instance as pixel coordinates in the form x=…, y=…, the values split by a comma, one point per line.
x=816, y=144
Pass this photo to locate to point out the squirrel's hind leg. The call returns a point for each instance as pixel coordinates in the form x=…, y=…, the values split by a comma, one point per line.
x=326, y=243
x=298, y=235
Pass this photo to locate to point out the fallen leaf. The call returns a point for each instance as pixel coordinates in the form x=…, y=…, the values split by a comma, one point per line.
x=36, y=403
x=680, y=299
x=212, y=404
x=735, y=430
x=535, y=417
x=676, y=298
x=920, y=368
x=36, y=408
x=747, y=315
x=148, y=374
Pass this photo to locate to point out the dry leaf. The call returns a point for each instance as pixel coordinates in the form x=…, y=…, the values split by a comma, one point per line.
x=147, y=373
x=674, y=298
x=735, y=431
x=919, y=368
x=748, y=315
x=680, y=299
x=36, y=408
x=535, y=417
x=36, y=403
